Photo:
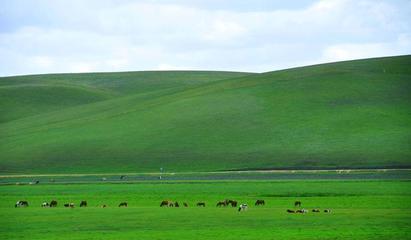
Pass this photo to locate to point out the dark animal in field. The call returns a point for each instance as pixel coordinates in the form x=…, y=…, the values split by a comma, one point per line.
x=185, y=204
x=201, y=204
x=297, y=204
x=45, y=204
x=166, y=203
x=221, y=204
x=315, y=210
x=83, y=204
x=290, y=211
x=233, y=203
x=327, y=210
x=243, y=207
x=260, y=202
x=176, y=204
x=21, y=204
x=71, y=205
x=53, y=203
x=301, y=211
x=123, y=204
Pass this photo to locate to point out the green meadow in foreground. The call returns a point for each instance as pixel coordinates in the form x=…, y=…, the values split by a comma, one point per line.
x=354, y=114
x=375, y=209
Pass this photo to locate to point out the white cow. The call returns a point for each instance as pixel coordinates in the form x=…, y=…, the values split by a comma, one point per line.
x=243, y=207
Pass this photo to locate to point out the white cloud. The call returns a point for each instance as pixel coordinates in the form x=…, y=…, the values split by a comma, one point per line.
x=142, y=35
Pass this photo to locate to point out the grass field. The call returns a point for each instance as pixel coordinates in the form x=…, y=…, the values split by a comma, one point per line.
x=353, y=114
x=361, y=209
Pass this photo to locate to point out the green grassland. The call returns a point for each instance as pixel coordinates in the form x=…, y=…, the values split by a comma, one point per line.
x=374, y=209
x=353, y=114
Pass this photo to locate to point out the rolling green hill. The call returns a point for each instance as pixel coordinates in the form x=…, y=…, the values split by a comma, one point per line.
x=354, y=114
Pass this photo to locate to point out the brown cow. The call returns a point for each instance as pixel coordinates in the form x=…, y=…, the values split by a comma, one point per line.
x=166, y=203
x=221, y=204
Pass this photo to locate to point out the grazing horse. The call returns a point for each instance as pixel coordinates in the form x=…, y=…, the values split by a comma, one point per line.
x=297, y=204
x=123, y=204
x=290, y=211
x=243, y=207
x=83, y=204
x=260, y=202
x=185, y=204
x=315, y=210
x=53, y=203
x=71, y=205
x=201, y=204
x=21, y=204
x=45, y=204
x=221, y=204
x=327, y=210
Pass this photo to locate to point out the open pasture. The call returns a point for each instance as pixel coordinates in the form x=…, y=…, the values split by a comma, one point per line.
x=373, y=209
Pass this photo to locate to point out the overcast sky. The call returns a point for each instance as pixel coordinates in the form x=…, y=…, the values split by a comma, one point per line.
x=255, y=35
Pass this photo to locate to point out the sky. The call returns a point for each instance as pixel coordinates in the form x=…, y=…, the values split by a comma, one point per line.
x=50, y=36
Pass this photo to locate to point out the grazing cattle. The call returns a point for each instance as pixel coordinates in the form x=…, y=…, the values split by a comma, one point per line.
x=21, y=204
x=185, y=204
x=290, y=211
x=316, y=210
x=221, y=204
x=123, y=204
x=243, y=207
x=166, y=203
x=232, y=202
x=45, y=204
x=301, y=211
x=201, y=204
x=260, y=202
x=53, y=203
x=297, y=204
x=71, y=205
x=176, y=204
x=83, y=204
x=327, y=210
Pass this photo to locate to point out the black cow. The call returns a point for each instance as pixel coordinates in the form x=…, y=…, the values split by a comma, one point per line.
x=70, y=205
x=53, y=203
x=297, y=204
x=123, y=204
x=260, y=202
x=83, y=204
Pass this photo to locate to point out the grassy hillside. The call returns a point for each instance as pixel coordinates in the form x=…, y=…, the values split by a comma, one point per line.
x=353, y=114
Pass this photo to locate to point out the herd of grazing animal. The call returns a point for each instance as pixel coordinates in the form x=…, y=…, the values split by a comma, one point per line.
x=53, y=203
x=169, y=203
x=302, y=210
